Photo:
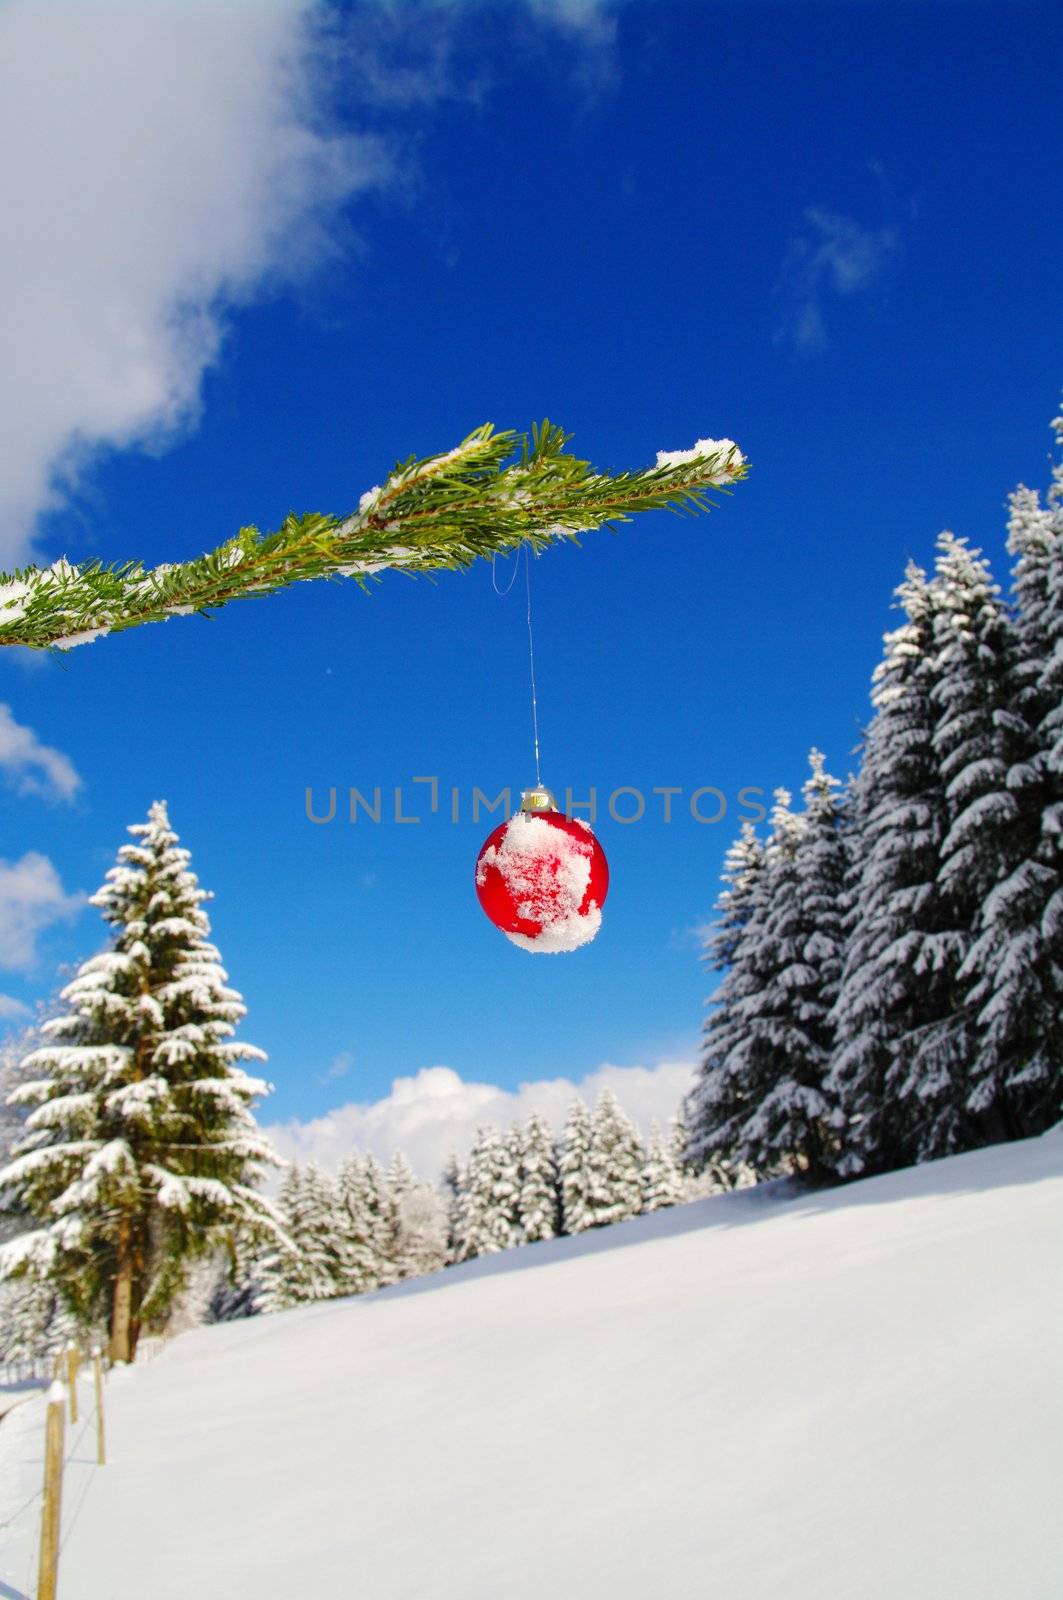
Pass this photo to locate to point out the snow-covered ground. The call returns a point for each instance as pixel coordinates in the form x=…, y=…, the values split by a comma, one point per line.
x=854, y=1395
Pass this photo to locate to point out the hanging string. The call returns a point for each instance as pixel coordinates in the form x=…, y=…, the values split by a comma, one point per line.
x=531, y=666
x=512, y=581
x=531, y=641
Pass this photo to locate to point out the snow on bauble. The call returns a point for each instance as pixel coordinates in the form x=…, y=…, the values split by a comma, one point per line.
x=542, y=878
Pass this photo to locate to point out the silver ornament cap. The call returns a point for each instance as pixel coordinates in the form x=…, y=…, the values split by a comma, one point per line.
x=537, y=799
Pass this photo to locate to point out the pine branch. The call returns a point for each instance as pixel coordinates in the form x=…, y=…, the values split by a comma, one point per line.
x=483, y=498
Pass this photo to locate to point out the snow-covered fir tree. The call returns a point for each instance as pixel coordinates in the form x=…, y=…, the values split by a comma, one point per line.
x=237, y=1293
x=971, y=669
x=422, y=1230
x=398, y=1181
x=14, y=1048
x=511, y=1180
x=358, y=1227
x=575, y=1169
x=379, y=1202
x=140, y=1151
x=796, y=1120
x=453, y=1179
x=679, y=1139
x=762, y=1096
x=411, y=1223
x=487, y=1199
x=304, y=1265
x=600, y=1165
x=539, y=1199
x=948, y=1022
x=716, y=1094
x=614, y=1165
x=1036, y=540
x=34, y=1321
x=360, y=1231
x=738, y=900
x=661, y=1177
x=192, y=1308
x=1014, y=968
x=894, y=901
x=716, y=1175
x=399, y=1177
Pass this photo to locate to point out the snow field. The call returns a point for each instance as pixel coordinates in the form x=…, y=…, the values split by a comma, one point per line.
x=851, y=1393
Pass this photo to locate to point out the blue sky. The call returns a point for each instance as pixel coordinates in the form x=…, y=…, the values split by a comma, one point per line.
x=827, y=232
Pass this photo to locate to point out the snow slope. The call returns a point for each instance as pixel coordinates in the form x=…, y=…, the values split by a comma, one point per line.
x=854, y=1395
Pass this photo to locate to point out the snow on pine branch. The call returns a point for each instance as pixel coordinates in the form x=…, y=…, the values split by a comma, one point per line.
x=726, y=458
x=482, y=498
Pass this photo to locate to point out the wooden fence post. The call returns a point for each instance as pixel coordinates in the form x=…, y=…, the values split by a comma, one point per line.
x=97, y=1366
x=72, y=1378
x=51, y=1509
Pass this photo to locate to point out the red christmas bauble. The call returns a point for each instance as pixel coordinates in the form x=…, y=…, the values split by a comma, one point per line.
x=542, y=878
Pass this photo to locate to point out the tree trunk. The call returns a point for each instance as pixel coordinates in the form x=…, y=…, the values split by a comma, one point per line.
x=128, y=1280
x=123, y=1328
x=121, y=1313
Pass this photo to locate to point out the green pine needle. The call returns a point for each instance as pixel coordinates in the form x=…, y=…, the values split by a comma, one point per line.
x=483, y=498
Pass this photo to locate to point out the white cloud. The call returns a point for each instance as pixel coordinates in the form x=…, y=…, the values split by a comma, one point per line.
x=338, y=1067
x=32, y=898
x=10, y=1008
x=32, y=767
x=590, y=26
x=165, y=162
x=168, y=162
x=435, y=1112
x=833, y=256
x=406, y=54
x=402, y=55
